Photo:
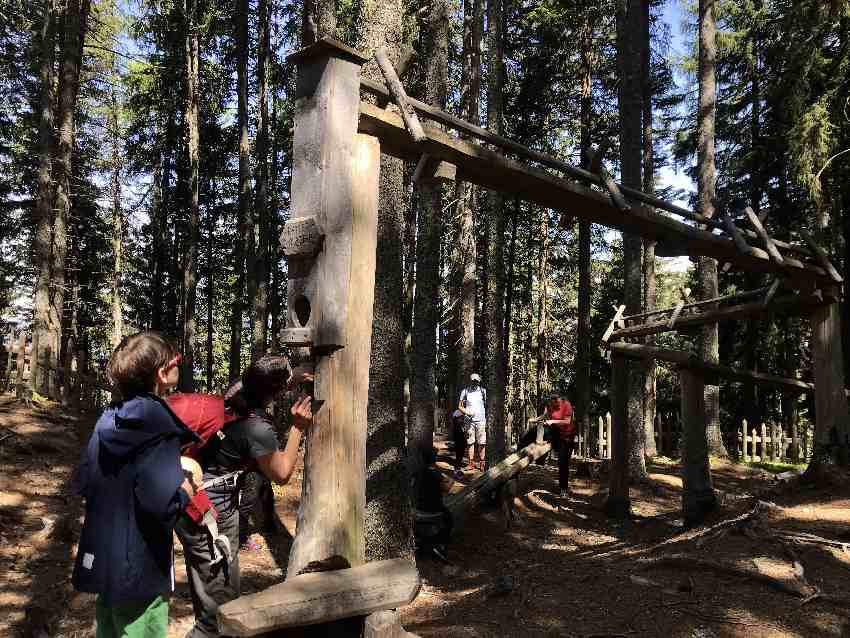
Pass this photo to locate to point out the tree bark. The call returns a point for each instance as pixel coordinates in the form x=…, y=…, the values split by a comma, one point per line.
x=389, y=523
x=631, y=152
x=259, y=301
x=157, y=260
x=117, y=227
x=543, y=387
x=423, y=401
x=43, y=244
x=706, y=184
x=240, y=249
x=698, y=498
x=190, y=265
x=649, y=283
x=495, y=291
x=583, y=344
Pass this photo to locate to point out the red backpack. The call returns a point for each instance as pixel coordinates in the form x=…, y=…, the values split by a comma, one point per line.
x=204, y=414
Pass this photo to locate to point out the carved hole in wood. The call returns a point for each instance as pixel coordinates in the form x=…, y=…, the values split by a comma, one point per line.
x=302, y=310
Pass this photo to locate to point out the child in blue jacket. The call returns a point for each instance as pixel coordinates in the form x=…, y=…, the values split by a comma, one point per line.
x=134, y=488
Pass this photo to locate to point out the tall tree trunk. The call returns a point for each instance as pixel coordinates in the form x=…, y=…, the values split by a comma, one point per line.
x=543, y=387
x=43, y=244
x=275, y=293
x=190, y=266
x=583, y=345
x=706, y=182
x=631, y=153
x=508, y=342
x=318, y=20
x=117, y=227
x=210, y=291
x=649, y=284
x=465, y=193
x=389, y=523
x=495, y=291
x=259, y=301
x=240, y=249
x=430, y=227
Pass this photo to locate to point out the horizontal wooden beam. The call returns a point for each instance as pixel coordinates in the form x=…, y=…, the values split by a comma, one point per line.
x=438, y=115
x=711, y=371
x=492, y=170
x=799, y=304
x=320, y=597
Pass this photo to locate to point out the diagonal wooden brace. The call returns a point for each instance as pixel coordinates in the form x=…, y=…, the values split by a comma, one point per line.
x=616, y=322
x=408, y=113
x=728, y=266
x=755, y=222
x=611, y=186
x=821, y=256
x=685, y=295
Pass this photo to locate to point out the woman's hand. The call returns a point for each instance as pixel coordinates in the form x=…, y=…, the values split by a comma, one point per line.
x=302, y=413
x=194, y=475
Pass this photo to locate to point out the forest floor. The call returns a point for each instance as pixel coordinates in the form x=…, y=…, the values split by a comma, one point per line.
x=562, y=569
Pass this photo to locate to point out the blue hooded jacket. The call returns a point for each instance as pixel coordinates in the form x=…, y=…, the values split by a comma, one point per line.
x=130, y=476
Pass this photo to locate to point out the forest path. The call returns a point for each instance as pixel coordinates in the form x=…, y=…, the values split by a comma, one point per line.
x=562, y=569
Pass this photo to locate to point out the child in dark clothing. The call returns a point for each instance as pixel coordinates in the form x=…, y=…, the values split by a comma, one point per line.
x=135, y=487
x=433, y=525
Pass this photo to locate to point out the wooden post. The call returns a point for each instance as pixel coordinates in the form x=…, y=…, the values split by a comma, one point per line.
x=330, y=244
x=698, y=496
x=608, y=433
x=746, y=435
x=601, y=440
x=10, y=347
x=832, y=432
x=618, y=504
x=21, y=390
x=765, y=450
x=754, y=438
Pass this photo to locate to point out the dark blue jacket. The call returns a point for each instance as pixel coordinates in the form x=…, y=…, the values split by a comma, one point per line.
x=130, y=476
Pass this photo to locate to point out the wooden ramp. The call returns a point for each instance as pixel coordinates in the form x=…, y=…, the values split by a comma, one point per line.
x=497, y=475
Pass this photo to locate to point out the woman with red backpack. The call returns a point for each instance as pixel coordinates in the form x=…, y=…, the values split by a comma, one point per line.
x=247, y=441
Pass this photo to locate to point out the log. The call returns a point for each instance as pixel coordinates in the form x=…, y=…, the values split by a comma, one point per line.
x=494, y=477
x=616, y=321
x=709, y=370
x=408, y=113
x=321, y=597
x=608, y=182
x=490, y=169
x=766, y=239
x=737, y=237
x=821, y=256
x=698, y=497
x=437, y=115
x=798, y=304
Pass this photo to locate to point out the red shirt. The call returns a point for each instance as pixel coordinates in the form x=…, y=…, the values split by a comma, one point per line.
x=563, y=412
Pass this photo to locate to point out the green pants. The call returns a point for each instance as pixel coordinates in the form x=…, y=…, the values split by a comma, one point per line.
x=137, y=619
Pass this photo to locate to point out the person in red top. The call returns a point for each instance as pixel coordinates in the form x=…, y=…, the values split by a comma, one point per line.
x=559, y=417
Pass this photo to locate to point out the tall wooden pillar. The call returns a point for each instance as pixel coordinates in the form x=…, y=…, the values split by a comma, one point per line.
x=832, y=430
x=618, y=504
x=698, y=496
x=330, y=242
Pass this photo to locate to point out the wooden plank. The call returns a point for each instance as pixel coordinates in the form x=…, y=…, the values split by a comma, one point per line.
x=821, y=256
x=709, y=370
x=322, y=597
x=769, y=245
x=301, y=237
x=792, y=303
x=617, y=320
x=771, y=292
x=618, y=503
x=333, y=501
x=492, y=170
x=429, y=168
x=408, y=113
x=737, y=237
x=698, y=496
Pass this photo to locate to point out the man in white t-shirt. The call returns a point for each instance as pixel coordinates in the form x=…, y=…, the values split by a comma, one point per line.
x=473, y=402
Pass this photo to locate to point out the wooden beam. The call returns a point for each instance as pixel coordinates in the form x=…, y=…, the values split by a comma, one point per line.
x=698, y=496
x=737, y=237
x=821, y=256
x=437, y=115
x=322, y=597
x=511, y=466
x=771, y=292
x=429, y=168
x=790, y=303
x=611, y=186
x=711, y=371
x=766, y=239
x=616, y=321
x=492, y=170
x=618, y=503
x=408, y=113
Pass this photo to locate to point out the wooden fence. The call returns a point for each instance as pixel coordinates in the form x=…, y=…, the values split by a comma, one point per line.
x=770, y=443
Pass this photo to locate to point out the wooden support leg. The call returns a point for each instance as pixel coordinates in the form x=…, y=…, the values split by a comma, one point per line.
x=832, y=431
x=618, y=504
x=698, y=496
